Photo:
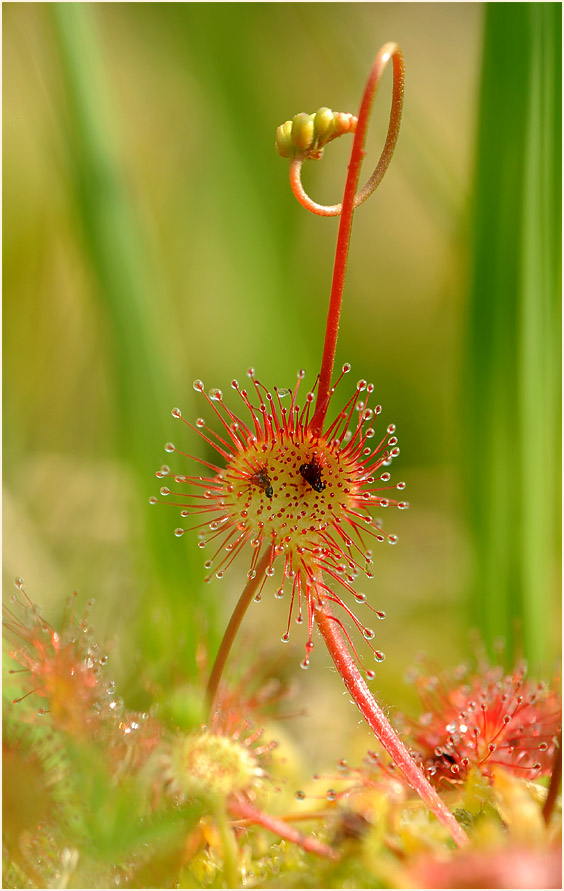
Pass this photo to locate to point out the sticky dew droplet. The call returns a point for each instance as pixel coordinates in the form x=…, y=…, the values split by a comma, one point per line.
x=176, y=413
x=198, y=385
x=179, y=532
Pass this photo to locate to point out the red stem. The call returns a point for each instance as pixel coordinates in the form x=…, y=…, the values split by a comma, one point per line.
x=378, y=722
x=239, y=807
x=387, y=52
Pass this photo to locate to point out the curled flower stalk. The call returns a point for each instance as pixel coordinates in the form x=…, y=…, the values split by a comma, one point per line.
x=297, y=481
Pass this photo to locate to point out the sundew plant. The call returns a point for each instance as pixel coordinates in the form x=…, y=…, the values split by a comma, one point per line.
x=145, y=745
x=296, y=487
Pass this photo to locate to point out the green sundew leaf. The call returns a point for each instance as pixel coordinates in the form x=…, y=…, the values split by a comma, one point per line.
x=511, y=396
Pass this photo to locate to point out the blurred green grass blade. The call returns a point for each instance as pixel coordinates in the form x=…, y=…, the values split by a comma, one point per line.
x=133, y=303
x=513, y=369
x=540, y=324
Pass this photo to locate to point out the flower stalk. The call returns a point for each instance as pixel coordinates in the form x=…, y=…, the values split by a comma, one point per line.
x=245, y=599
x=387, y=52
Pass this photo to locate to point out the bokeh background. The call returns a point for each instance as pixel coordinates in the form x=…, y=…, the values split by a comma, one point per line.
x=150, y=238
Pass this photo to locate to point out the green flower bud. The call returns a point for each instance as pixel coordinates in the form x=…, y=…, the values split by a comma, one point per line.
x=307, y=134
x=283, y=142
x=324, y=125
x=303, y=131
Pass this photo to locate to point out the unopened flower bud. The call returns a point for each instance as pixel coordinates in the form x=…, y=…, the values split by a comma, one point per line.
x=344, y=123
x=324, y=125
x=283, y=142
x=303, y=131
x=306, y=135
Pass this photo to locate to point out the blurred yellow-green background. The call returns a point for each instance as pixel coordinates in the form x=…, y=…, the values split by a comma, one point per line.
x=150, y=237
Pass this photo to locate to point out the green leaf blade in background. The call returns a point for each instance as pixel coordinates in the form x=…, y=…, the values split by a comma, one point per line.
x=513, y=370
x=131, y=297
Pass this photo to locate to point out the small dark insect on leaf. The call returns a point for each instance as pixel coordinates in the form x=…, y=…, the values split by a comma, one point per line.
x=312, y=474
x=262, y=479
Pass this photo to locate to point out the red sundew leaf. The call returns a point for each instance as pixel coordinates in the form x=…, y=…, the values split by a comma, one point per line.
x=284, y=488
